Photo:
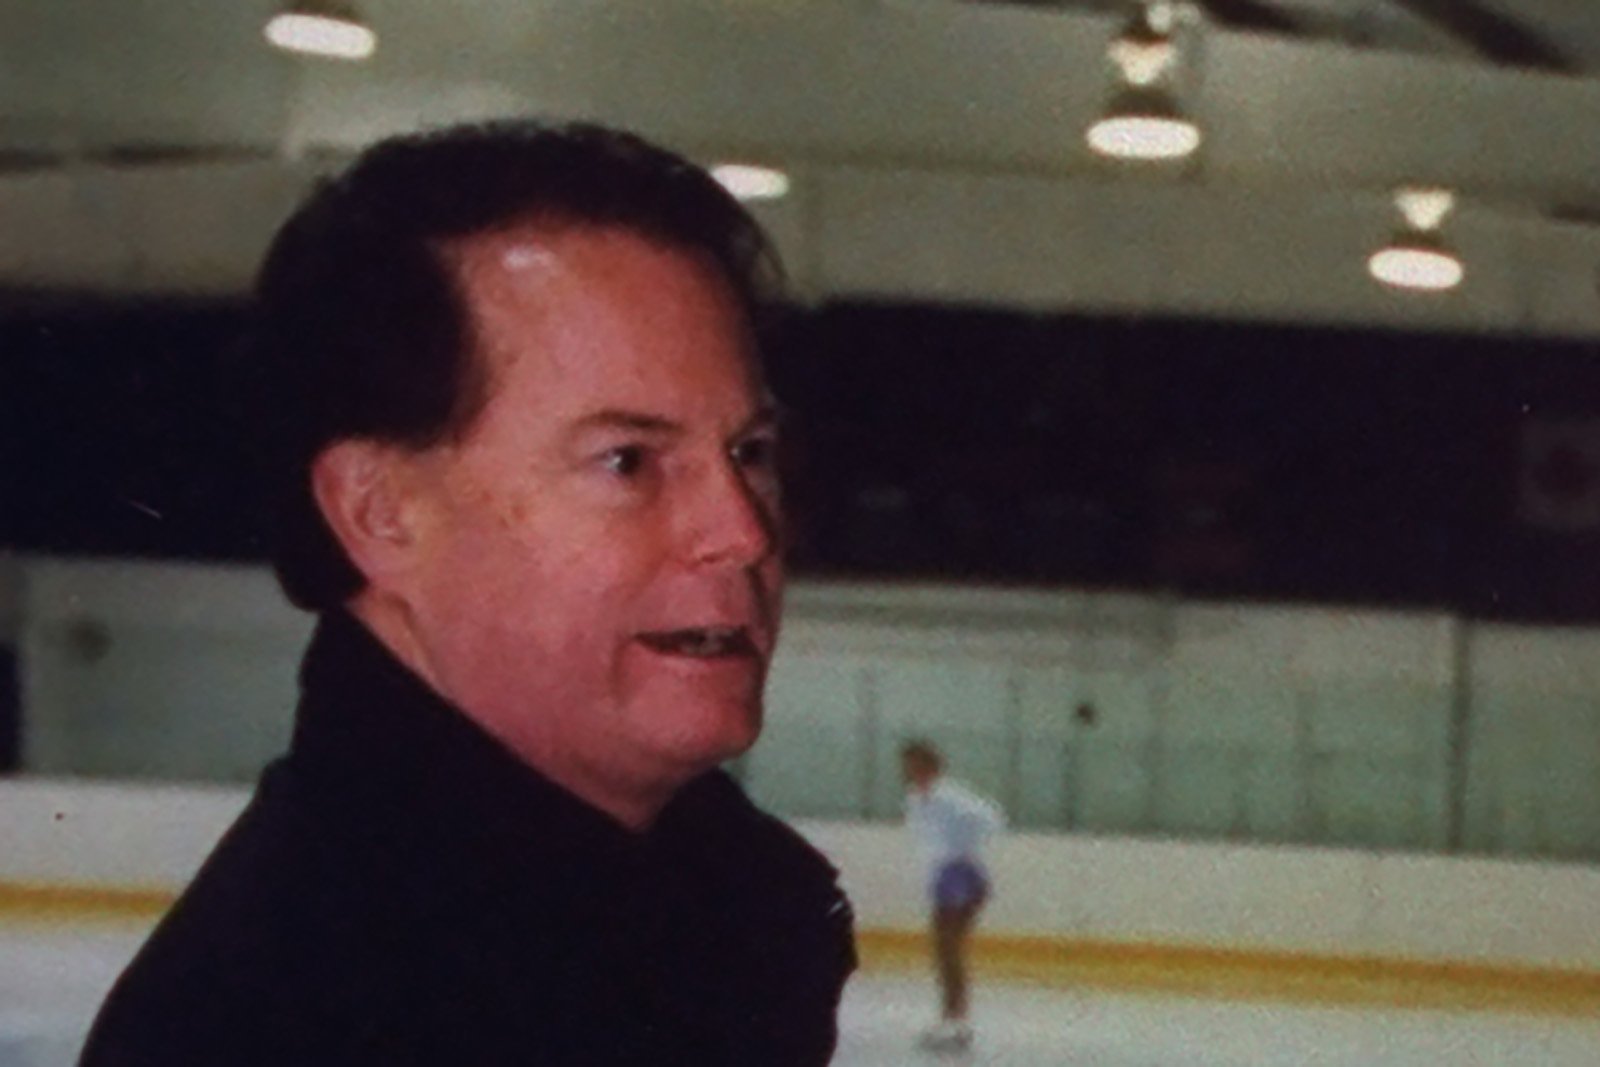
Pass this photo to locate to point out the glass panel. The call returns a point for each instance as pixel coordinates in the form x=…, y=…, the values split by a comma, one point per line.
x=159, y=702
x=1204, y=736
x=815, y=750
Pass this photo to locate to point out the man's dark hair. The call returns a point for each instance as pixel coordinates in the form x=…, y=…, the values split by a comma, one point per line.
x=359, y=327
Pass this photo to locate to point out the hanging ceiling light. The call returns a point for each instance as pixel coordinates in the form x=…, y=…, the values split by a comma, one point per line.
x=751, y=183
x=1418, y=257
x=1143, y=120
x=329, y=28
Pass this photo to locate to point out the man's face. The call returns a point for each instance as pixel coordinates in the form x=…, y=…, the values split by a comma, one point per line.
x=600, y=582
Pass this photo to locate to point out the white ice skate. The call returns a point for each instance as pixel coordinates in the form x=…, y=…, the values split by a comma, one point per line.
x=947, y=1035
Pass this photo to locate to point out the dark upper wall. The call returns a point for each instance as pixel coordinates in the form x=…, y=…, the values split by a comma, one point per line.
x=966, y=445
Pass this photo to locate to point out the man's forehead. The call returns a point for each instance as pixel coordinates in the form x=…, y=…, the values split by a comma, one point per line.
x=519, y=254
x=537, y=258
x=537, y=243
x=541, y=288
x=514, y=278
x=530, y=256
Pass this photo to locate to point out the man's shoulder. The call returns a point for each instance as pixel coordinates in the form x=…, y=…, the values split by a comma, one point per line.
x=286, y=860
x=272, y=938
x=766, y=867
x=771, y=889
x=728, y=820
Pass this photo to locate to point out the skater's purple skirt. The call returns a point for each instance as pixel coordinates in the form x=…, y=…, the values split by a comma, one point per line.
x=960, y=884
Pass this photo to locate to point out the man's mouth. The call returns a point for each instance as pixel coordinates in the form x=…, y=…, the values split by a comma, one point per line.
x=703, y=642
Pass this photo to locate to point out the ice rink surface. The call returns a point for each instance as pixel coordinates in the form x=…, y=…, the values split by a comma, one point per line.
x=1019, y=1026
x=51, y=979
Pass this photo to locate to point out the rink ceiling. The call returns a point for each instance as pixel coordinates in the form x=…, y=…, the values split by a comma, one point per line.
x=955, y=129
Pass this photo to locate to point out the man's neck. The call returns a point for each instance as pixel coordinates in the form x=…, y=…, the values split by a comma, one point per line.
x=388, y=620
x=391, y=622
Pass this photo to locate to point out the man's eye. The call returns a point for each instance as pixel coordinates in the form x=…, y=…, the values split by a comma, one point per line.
x=756, y=452
x=626, y=460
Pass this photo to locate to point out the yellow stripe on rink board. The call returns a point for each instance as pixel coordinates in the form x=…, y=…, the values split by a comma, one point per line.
x=38, y=902
x=1063, y=963
x=1255, y=975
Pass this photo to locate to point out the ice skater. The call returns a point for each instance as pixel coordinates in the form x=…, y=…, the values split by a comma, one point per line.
x=951, y=823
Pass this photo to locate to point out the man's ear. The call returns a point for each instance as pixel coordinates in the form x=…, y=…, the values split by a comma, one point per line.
x=364, y=490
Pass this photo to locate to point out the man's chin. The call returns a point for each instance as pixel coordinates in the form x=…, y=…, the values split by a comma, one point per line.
x=741, y=735
x=725, y=734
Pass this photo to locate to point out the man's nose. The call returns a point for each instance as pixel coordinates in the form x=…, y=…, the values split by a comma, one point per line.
x=731, y=520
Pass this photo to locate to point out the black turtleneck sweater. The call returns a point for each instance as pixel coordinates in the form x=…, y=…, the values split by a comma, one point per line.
x=401, y=890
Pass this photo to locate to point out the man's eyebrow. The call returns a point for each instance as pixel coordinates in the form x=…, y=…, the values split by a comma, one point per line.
x=765, y=417
x=622, y=419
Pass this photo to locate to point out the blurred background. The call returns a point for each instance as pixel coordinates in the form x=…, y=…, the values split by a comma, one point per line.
x=1136, y=483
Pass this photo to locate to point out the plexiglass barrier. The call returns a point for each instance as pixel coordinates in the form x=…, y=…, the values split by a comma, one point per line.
x=1080, y=713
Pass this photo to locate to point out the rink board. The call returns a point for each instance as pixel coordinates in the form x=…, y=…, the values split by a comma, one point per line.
x=1247, y=921
x=1051, y=962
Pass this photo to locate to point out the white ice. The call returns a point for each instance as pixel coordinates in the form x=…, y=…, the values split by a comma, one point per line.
x=1018, y=1026
x=52, y=978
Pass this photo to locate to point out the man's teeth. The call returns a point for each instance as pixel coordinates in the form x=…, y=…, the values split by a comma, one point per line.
x=703, y=641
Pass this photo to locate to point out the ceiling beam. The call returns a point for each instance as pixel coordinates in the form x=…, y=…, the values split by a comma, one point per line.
x=1259, y=16
x=1251, y=16
x=1491, y=34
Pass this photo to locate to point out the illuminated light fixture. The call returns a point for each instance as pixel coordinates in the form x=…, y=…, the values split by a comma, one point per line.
x=328, y=28
x=1418, y=257
x=750, y=183
x=1143, y=121
x=1144, y=129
